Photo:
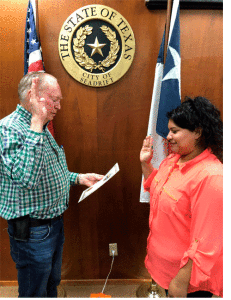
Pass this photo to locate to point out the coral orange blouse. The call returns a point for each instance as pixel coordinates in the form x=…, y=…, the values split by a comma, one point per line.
x=186, y=221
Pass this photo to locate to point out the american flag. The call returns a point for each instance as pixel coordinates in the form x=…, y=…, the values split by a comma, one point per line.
x=33, y=60
x=32, y=50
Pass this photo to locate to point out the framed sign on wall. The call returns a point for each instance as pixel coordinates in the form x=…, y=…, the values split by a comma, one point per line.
x=186, y=4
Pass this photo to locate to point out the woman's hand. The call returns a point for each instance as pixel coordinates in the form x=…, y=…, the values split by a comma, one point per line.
x=89, y=179
x=146, y=155
x=178, y=287
x=146, y=152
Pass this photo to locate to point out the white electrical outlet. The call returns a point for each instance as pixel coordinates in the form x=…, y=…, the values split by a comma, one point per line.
x=113, y=247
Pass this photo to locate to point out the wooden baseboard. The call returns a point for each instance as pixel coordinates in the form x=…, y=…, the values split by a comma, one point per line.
x=102, y=281
x=9, y=283
x=88, y=282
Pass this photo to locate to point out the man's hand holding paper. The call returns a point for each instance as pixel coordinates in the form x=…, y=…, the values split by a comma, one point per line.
x=98, y=184
x=89, y=179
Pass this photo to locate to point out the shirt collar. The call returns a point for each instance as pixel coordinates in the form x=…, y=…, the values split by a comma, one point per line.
x=24, y=113
x=195, y=160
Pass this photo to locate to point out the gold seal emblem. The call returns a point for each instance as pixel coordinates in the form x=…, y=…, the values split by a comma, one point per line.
x=96, y=45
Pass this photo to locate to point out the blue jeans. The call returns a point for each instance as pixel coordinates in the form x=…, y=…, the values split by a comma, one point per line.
x=39, y=260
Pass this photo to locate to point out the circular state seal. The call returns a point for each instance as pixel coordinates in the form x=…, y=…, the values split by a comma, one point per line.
x=96, y=45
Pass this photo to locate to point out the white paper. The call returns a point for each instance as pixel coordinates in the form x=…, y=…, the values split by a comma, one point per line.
x=97, y=185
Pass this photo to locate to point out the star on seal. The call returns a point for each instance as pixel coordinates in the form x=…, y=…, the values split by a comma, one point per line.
x=96, y=47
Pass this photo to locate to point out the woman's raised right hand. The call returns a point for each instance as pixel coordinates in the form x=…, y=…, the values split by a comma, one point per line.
x=146, y=152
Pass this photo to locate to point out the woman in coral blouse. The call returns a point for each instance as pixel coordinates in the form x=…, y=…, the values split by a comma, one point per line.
x=185, y=243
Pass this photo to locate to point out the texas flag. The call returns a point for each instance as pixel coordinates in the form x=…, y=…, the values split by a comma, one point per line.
x=170, y=93
x=166, y=93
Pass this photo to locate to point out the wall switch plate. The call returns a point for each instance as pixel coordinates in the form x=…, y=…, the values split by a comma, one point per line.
x=113, y=247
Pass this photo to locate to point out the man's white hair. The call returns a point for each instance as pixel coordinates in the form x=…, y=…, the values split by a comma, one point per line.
x=26, y=82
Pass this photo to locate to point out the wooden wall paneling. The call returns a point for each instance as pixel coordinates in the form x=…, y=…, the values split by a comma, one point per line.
x=12, y=16
x=99, y=127
x=202, y=54
x=118, y=111
x=11, y=58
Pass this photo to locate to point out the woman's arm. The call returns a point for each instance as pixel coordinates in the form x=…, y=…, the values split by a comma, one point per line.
x=146, y=155
x=178, y=287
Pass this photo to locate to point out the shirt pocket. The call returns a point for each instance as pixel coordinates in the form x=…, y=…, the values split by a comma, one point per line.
x=154, y=190
x=173, y=201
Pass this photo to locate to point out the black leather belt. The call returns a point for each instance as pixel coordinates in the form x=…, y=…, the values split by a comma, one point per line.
x=40, y=222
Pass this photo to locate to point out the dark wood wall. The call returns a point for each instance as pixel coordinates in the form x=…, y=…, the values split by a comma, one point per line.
x=99, y=127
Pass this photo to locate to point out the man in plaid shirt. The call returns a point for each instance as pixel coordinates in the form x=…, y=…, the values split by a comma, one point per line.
x=34, y=185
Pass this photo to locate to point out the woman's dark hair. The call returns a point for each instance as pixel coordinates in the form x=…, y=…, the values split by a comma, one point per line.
x=200, y=113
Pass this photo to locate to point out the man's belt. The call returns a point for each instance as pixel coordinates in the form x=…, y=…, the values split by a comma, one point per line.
x=40, y=222
x=21, y=226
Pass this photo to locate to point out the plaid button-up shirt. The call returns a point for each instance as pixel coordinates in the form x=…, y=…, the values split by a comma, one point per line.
x=34, y=178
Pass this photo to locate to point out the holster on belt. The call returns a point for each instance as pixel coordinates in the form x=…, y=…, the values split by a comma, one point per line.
x=21, y=228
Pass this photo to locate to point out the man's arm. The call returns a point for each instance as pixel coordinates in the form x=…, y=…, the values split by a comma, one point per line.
x=146, y=155
x=22, y=156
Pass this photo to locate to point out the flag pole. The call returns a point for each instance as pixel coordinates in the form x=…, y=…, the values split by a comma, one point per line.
x=37, y=19
x=167, y=28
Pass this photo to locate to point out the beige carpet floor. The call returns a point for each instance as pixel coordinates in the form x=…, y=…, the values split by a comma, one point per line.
x=118, y=290
x=85, y=290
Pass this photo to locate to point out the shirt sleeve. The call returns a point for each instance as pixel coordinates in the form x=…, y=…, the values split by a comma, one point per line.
x=206, y=228
x=22, y=156
x=147, y=183
x=73, y=177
